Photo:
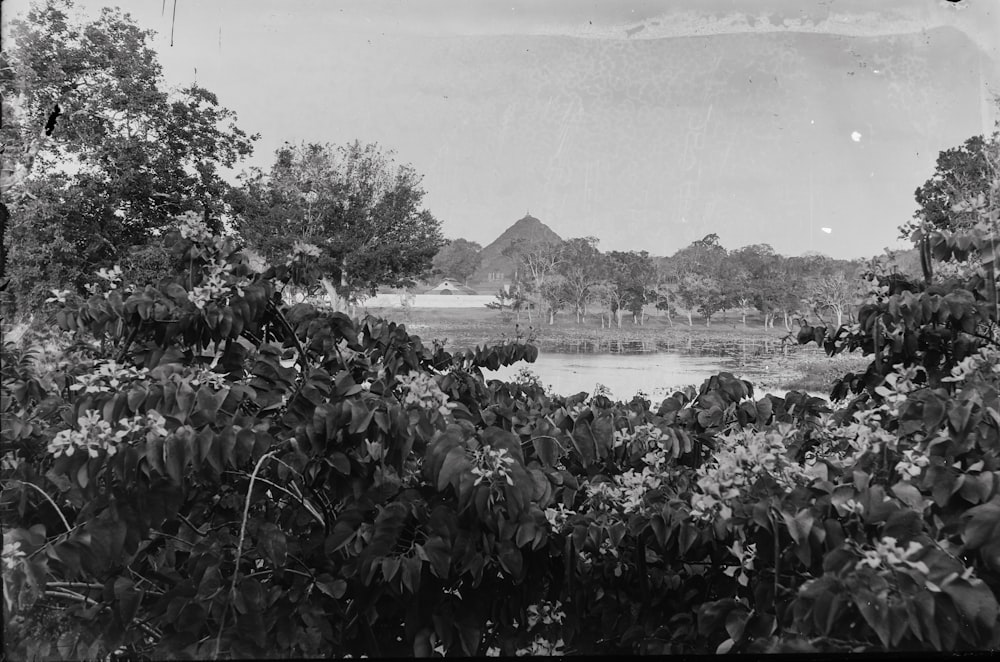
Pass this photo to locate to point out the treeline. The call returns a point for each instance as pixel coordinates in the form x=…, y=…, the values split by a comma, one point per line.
x=574, y=277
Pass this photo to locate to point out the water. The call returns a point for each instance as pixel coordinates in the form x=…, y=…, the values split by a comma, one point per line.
x=626, y=368
x=656, y=374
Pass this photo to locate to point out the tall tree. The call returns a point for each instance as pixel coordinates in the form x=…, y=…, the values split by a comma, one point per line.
x=360, y=210
x=961, y=173
x=583, y=268
x=632, y=279
x=459, y=258
x=836, y=294
x=98, y=156
x=535, y=262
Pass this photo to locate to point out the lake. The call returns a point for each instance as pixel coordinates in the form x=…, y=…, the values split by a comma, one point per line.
x=627, y=368
x=657, y=374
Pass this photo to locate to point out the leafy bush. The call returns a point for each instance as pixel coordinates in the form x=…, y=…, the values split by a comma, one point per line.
x=209, y=472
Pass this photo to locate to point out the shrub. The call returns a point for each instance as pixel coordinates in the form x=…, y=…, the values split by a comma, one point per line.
x=210, y=472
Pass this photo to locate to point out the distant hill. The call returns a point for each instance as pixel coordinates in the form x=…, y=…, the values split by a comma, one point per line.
x=496, y=267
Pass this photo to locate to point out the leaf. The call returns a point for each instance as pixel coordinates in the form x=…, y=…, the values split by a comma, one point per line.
x=510, y=559
x=547, y=449
x=272, y=543
x=875, y=611
x=736, y=622
x=335, y=588
x=340, y=463
x=469, y=636
x=174, y=457
x=583, y=442
x=800, y=525
x=983, y=524
x=412, y=568
x=439, y=554
x=974, y=601
x=909, y=495
x=456, y=462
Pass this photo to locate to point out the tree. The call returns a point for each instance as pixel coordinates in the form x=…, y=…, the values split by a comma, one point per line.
x=961, y=173
x=632, y=277
x=764, y=283
x=555, y=295
x=360, y=210
x=98, y=156
x=459, y=258
x=834, y=293
x=583, y=267
x=534, y=263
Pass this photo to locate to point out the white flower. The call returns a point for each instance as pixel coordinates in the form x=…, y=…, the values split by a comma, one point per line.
x=192, y=227
x=58, y=296
x=13, y=555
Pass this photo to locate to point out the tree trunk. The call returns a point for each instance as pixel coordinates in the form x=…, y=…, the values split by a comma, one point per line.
x=744, y=318
x=690, y=321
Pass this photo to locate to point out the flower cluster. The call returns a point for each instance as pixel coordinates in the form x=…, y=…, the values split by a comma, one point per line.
x=108, y=377
x=93, y=434
x=897, y=386
x=986, y=360
x=542, y=646
x=422, y=390
x=545, y=612
x=492, y=465
x=192, y=227
x=745, y=555
x=13, y=555
x=744, y=457
x=887, y=555
x=254, y=261
x=911, y=464
x=219, y=286
x=642, y=437
x=558, y=515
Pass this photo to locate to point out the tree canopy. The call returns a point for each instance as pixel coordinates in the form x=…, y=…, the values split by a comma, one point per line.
x=98, y=155
x=458, y=258
x=358, y=209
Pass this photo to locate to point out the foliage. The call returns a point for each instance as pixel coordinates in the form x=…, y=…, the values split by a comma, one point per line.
x=359, y=209
x=583, y=268
x=459, y=258
x=99, y=155
x=535, y=262
x=961, y=173
x=210, y=472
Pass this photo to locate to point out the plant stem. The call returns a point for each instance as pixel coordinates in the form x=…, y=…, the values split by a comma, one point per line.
x=239, y=548
x=49, y=499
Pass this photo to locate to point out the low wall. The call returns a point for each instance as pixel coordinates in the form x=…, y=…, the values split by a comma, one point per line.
x=430, y=301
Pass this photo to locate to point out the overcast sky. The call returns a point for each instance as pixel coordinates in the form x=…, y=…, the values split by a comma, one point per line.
x=804, y=124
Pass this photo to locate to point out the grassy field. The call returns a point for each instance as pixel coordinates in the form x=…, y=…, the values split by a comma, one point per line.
x=756, y=353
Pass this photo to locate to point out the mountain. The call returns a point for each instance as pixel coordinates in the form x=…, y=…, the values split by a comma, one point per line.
x=496, y=267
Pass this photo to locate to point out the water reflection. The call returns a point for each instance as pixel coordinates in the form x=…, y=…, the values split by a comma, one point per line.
x=657, y=374
x=654, y=367
x=758, y=347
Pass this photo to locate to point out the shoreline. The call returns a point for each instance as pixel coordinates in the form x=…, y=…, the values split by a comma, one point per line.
x=749, y=352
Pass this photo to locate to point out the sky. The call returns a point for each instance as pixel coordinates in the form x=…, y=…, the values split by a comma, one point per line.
x=804, y=124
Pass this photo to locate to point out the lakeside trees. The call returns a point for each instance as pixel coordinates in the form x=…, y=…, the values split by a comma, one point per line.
x=703, y=278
